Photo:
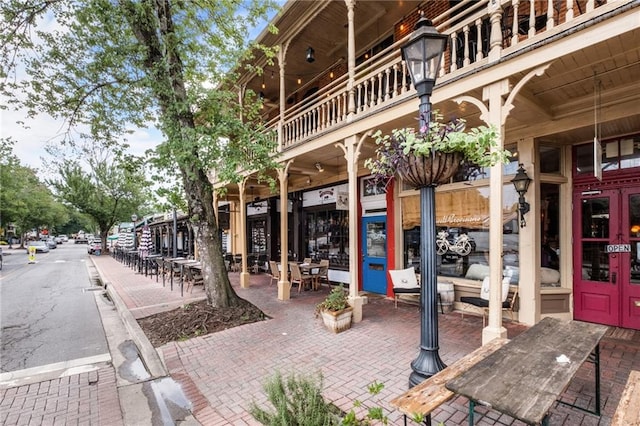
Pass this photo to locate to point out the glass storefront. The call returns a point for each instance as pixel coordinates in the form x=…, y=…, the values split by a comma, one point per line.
x=462, y=222
x=327, y=236
x=326, y=226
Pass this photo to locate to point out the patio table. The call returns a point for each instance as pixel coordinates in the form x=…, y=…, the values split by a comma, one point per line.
x=180, y=264
x=525, y=377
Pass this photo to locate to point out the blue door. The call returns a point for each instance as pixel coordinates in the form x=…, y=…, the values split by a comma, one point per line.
x=374, y=257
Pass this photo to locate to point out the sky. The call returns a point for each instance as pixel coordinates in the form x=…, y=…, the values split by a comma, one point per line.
x=32, y=135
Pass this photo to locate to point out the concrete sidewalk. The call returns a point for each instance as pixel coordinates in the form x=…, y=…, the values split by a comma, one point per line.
x=222, y=373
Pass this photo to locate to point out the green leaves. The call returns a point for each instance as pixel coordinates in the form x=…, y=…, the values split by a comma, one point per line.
x=479, y=145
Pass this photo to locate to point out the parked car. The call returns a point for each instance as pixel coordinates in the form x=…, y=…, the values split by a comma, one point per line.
x=41, y=246
x=0, y=258
x=64, y=238
x=93, y=246
x=58, y=240
x=51, y=243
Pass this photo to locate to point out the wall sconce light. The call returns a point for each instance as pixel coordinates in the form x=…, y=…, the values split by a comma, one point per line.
x=299, y=80
x=521, y=182
x=319, y=167
x=310, y=54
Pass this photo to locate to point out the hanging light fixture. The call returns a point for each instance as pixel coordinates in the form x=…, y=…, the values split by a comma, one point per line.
x=310, y=54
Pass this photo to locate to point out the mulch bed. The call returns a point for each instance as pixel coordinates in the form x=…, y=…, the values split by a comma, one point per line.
x=197, y=319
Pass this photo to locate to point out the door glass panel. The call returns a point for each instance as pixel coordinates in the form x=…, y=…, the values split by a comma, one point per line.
x=595, y=262
x=595, y=218
x=376, y=239
x=635, y=263
x=634, y=237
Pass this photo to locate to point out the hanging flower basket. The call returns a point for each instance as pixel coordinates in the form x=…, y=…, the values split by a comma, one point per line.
x=429, y=170
x=431, y=155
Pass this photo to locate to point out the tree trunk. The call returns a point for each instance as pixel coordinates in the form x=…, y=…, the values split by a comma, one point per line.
x=165, y=67
x=207, y=236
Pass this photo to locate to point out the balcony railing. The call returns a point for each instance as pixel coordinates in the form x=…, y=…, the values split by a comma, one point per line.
x=473, y=32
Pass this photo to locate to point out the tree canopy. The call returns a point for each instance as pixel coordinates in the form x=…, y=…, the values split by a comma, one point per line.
x=24, y=199
x=108, y=191
x=108, y=66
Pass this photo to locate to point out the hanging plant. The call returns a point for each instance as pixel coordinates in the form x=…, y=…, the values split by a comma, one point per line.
x=432, y=157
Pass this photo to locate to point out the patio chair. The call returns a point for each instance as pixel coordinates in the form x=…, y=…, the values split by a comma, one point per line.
x=252, y=264
x=482, y=302
x=298, y=278
x=275, y=273
x=404, y=282
x=192, y=278
x=159, y=269
x=323, y=273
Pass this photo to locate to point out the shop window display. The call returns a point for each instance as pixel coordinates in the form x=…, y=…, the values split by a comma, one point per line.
x=328, y=237
x=462, y=221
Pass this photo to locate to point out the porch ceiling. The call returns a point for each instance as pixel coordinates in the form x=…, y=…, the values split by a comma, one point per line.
x=567, y=93
x=326, y=33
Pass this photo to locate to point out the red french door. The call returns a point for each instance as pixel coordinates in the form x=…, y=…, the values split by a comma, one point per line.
x=606, y=257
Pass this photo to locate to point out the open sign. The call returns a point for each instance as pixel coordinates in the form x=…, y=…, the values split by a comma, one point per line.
x=618, y=248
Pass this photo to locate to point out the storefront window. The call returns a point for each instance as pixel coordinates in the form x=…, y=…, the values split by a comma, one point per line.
x=328, y=237
x=550, y=159
x=462, y=222
x=550, y=221
x=616, y=154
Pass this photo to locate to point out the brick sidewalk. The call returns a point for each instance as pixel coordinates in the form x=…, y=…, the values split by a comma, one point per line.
x=79, y=399
x=222, y=373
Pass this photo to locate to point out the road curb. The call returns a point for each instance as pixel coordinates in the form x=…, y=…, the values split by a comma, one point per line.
x=148, y=353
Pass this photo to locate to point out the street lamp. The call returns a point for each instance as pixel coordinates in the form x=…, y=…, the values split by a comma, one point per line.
x=134, y=217
x=423, y=53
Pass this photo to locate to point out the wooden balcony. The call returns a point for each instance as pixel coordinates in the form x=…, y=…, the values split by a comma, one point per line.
x=482, y=38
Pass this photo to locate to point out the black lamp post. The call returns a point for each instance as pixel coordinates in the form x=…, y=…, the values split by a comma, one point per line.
x=134, y=217
x=423, y=53
x=521, y=182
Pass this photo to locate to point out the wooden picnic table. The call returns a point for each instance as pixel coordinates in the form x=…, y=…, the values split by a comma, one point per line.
x=525, y=377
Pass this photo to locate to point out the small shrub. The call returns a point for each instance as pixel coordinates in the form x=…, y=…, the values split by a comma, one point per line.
x=297, y=401
x=335, y=301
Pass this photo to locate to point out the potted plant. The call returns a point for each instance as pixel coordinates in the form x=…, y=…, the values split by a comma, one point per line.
x=425, y=158
x=335, y=310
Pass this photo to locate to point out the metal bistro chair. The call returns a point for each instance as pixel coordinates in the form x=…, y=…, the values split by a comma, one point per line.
x=192, y=278
x=159, y=268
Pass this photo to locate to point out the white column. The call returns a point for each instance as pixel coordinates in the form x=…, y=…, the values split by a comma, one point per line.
x=529, y=241
x=244, y=275
x=351, y=60
x=282, y=54
x=351, y=148
x=494, y=94
x=284, y=287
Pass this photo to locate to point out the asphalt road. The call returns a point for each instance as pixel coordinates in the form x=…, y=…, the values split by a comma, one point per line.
x=47, y=312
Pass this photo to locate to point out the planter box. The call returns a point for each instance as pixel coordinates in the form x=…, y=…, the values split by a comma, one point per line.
x=337, y=321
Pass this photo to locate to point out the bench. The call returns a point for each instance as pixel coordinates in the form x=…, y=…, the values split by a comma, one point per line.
x=628, y=411
x=431, y=393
